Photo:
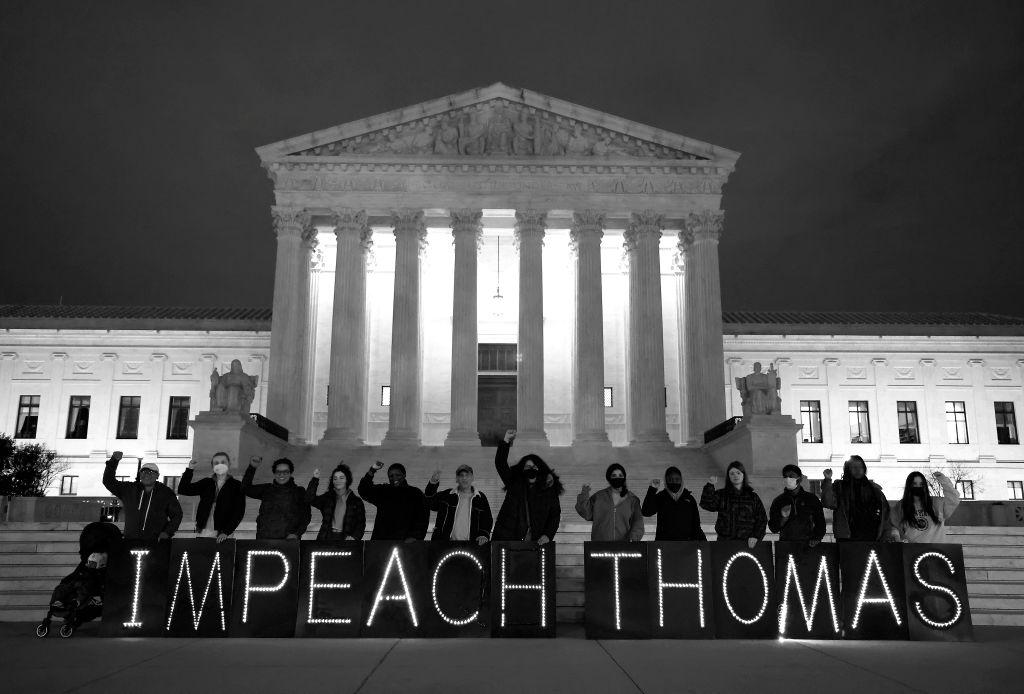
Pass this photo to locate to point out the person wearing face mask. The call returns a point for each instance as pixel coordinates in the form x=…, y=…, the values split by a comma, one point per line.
x=463, y=513
x=614, y=511
x=220, y=497
x=741, y=513
x=151, y=509
x=678, y=514
x=531, y=509
x=861, y=509
x=343, y=513
x=284, y=513
x=401, y=509
x=919, y=517
x=795, y=514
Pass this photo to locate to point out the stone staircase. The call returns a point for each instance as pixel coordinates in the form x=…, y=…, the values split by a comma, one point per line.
x=35, y=556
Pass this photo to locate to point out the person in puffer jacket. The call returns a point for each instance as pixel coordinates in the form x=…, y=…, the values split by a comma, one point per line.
x=151, y=509
x=741, y=513
x=284, y=513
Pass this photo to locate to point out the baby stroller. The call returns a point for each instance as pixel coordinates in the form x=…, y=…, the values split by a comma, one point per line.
x=78, y=598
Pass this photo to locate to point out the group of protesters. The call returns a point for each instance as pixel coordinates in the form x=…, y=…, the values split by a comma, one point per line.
x=531, y=509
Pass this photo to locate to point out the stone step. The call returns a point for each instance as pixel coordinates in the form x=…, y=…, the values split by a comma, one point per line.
x=60, y=558
x=995, y=562
x=998, y=601
x=22, y=614
x=70, y=547
x=992, y=551
x=26, y=599
x=979, y=575
x=1007, y=618
x=982, y=588
x=21, y=584
x=53, y=571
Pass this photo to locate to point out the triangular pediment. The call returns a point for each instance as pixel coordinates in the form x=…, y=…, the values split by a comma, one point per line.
x=496, y=121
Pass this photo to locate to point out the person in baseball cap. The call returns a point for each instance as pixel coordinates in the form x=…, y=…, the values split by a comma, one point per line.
x=463, y=513
x=151, y=509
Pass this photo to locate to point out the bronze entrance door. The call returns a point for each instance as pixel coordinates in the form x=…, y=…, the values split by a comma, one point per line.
x=496, y=408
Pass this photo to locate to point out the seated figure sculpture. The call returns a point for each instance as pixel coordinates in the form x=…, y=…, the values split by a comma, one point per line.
x=760, y=392
x=232, y=392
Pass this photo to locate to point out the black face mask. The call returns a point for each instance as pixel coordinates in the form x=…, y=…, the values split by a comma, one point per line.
x=917, y=491
x=617, y=482
x=673, y=486
x=531, y=474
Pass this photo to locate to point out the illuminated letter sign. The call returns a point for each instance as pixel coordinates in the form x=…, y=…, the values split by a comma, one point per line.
x=678, y=580
x=394, y=562
x=396, y=583
x=794, y=560
x=459, y=590
x=744, y=596
x=523, y=589
x=330, y=603
x=622, y=611
x=937, y=604
x=135, y=592
x=194, y=559
x=265, y=568
x=872, y=577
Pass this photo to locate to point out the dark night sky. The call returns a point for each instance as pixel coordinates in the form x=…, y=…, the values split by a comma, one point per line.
x=883, y=153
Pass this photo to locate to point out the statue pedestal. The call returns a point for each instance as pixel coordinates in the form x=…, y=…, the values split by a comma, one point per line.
x=234, y=434
x=764, y=443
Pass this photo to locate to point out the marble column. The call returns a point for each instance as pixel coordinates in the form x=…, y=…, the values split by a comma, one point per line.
x=346, y=406
x=645, y=368
x=679, y=270
x=529, y=238
x=305, y=337
x=404, y=415
x=466, y=232
x=704, y=354
x=588, y=348
x=285, y=355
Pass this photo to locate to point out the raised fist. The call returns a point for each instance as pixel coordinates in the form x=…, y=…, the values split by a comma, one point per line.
x=786, y=510
x=377, y=465
x=827, y=472
x=509, y=435
x=256, y=460
x=116, y=455
x=713, y=480
x=586, y=490
x=316, y=474
x=436, y=477
x=193, y=464
x=655, y=483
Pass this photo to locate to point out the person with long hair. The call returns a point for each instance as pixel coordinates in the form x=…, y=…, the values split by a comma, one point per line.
x=920, y=518
x=614, y=511
x=741, y=514
x=861, y=511
x=343, y=515
x=531, y=509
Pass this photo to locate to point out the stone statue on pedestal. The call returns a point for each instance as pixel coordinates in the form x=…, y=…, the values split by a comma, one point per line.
x=760, y=392
x=232, y=392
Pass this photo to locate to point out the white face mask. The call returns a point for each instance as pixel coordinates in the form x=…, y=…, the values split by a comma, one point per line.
x=791, y=482
x=220, y=469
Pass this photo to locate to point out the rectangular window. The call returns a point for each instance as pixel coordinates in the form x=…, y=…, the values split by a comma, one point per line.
x=860, y=427
x=1016, y=489
x=810, y=417
x=495, y=357
x=69, y=485
x=172, y=482
x=385, y=396
x=177, y=417
x=966, y=489
x=128, y=417
x=906, y=417
x=608, y=396
x=1006, y=423
x=956, y=421
x=28, y=417
x=78, y=417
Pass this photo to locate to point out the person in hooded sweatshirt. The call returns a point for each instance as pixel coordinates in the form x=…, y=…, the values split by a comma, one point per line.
x=795, y=514
x=678, y=513
x=220, y=497
x=343, y=513
x=861, y=509
x=284, y=513
x=614, y=511
x=920, y=518
x=151, y=509
x=401, y=509
x=740, y=510
x=531, y=509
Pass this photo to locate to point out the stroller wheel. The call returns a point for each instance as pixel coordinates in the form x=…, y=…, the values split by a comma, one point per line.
x=66, y=630
x=42, y=630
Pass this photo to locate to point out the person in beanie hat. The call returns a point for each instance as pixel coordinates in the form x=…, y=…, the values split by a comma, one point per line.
x=678, y=513
x=796, y=514
x=463, y=512
x=740, y=510
x=284, y=513
x=151, y=509
x=614, y=511
x=401, y=509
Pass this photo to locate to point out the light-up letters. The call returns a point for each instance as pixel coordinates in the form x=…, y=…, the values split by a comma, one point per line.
x=725, y=588
x=134, y=622
x=541, y=586
x=958, y=607
x=698, y=586
x=406, y=595
x=792, y=578
x=862, y=600
x=433, y=586
x=250, y=588
x=197, y=614
x=615, y=557
x=314, y=586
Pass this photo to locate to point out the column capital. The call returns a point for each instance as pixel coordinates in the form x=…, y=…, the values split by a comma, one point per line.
x=289, y=222
x=410, y=222
x=466, y=222
x=586, y=224
x=353, y=222
x=642, y=224
x=704, y=225
x=530, y=223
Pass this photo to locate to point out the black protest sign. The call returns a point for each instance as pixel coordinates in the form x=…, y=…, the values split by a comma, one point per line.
x=329, y=601
x=135, y=594
x=743, y=588
x=395, y=588
x=459, y=590
x=679, y=590
x=199, y=587
x=807, y=590
x=874, y=598
x=265, y=595
x=617, y=601
x=522, y=589
x=936, y=587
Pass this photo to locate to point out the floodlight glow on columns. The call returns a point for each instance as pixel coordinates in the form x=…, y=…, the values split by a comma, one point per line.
x=250, y=588
x=542, y=586
x=314, y=586
x=725, y=587
x=862, y=600
x=197, y=614
x=134, y=622
x=615, y=557
x=698, y=586
x=941, y=589
x=394, y=561
x=433, y=586
x=823, y=578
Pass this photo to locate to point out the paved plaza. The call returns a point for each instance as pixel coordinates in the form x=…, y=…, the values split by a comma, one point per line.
x=570, y=663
